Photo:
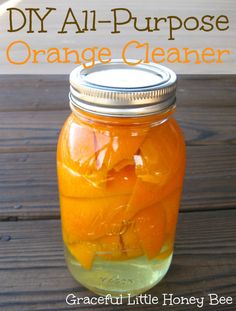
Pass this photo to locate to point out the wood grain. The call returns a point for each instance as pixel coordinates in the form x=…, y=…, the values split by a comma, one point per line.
x=32, y=115
x=51, y=92
x=38, y=130
x=33, y=92
x=34, y=277
x=28, y=183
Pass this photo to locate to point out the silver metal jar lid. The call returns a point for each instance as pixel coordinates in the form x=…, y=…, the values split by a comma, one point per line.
x=116, y=89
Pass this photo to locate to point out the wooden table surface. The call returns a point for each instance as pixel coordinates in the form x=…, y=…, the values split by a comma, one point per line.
x=33, y=275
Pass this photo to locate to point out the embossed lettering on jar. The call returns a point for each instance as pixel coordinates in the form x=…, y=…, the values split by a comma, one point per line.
x=121, y=163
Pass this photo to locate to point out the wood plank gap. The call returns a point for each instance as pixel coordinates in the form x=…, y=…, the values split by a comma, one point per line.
x=11, y=219
x=26, y=149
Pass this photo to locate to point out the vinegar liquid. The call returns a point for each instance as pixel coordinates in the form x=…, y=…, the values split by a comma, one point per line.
x=133, y=276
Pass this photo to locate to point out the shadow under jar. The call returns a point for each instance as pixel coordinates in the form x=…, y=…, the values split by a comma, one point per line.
x=121, y=163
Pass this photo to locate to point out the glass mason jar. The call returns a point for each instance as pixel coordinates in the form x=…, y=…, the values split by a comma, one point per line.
x=121, y=163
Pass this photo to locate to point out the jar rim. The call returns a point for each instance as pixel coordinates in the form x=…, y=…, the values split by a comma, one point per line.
x=116, y=89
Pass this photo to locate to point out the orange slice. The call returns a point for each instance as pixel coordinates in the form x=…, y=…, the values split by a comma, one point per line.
x=166, y=251
x=77, y=153
x=171, y=205
x=89, y=219
x=159, y=166
x=121, y=246
x=121, y=182
x=122, y=164
x=74, y=184
x=144, y=195
x=110, y=247
x=150, y=225
x=123, y=145
x=147, y=193
x=84, y=252
x=131, y=243
x=160, y=153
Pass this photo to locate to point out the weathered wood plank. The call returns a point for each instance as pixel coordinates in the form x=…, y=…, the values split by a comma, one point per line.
x=30, y=130
x=38, y=130
x=32, y=115
x=206, y=91
x=34, y=277
x=21, y=93
x=28, y=184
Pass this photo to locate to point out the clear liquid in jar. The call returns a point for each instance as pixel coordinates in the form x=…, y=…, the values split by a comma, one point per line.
x=127, y=277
